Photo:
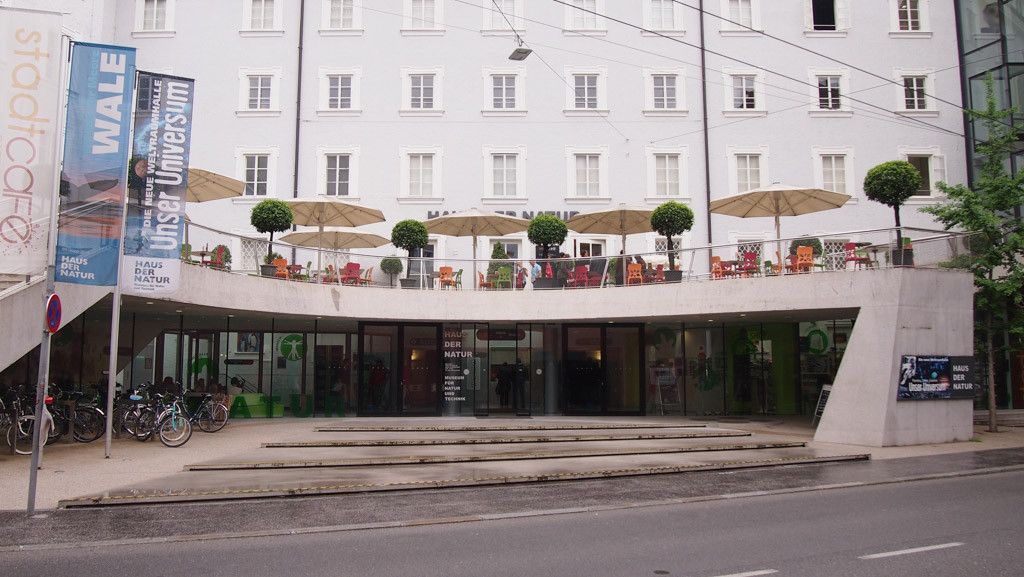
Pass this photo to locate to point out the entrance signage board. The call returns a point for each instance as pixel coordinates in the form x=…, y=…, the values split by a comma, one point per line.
x=935, y=377
x=456, y=366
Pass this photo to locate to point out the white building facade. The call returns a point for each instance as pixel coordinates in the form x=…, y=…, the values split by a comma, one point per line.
x=412, y=106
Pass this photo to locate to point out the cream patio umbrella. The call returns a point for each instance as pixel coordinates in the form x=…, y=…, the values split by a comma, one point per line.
x=778, y=200
x=204, y=186
x=622, y=220
x=475, y=222
x=322, y=210
x=335, y=238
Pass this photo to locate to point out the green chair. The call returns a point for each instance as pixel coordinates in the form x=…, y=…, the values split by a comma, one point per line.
x=458, y=280
x=504, y=277
x=186, y=253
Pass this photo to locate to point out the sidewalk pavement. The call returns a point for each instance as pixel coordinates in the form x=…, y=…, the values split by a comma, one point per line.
x=74, y=470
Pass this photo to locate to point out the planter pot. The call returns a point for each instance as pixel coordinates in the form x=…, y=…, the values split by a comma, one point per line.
x=545, y=283
x=417, y=282
x=268, y=270
x=903, y=257
x=673, y=275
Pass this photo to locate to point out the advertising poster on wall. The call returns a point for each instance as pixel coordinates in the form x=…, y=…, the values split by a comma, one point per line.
x=157, y=182
x=30, y=55
x=92, y=183
x=935, y=377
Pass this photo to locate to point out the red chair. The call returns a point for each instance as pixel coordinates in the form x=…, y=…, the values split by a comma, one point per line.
x=579, y=277
x=857, y=259
x=748, y=267
x=351, y=275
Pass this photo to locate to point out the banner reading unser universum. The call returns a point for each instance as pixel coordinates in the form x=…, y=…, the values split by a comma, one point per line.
x=158, y=179
x=30, y=50
x=92, y=187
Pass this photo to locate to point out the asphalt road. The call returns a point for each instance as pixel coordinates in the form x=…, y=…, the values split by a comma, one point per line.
x=968, y=526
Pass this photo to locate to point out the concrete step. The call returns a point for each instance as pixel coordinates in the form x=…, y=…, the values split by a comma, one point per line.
x=500, y=440
x=509, y=427
x=425, y=459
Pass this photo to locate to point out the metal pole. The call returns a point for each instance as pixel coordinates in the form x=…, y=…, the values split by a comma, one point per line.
x=51, y=256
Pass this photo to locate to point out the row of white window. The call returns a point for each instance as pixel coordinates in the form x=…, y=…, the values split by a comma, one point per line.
x=587, y=171
x=908, y=18
x=504, y=91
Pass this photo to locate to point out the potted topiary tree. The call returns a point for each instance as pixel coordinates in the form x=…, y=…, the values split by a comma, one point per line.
x=814, y=243
x=670, y=219
x=499, y=258
x=271, y=215
x=391, y=266
x=546, y=230
x=411, y=235
x=893, y=183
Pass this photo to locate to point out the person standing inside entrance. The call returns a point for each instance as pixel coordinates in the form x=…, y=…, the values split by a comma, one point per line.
x=520, y=375
x=505, y=376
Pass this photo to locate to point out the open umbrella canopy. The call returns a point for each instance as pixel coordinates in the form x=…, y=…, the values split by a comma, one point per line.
x=322, y=210
x=335, y=238
x=204, y=186
x=778, y=200
x=475, y=222
x=622, y=220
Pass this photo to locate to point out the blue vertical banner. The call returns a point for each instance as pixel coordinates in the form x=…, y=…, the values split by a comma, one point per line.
x=158, y=182
x=93, y=181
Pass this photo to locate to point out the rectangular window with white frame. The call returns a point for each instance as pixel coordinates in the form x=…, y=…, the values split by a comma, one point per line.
x=422, y=17
x=587, y=173
x=341, y=17
x=338, y=171
x=664, y=17
x=582, y=17
x=504, y=173
x=748, y=168
x=826, y=18
x=740, y=17
x=262, y=17
x=667, y=173
x=501, y=16
x=917, y=88
x=422, y=91
x=833, y=169
x=909, y=18
x=587, y=90
x=664, y=91
x=930, y=163
x=154, y=19
x=258, y=94
x=257, y=168
x=744, y=92
x=504, y=91
x=421, y=173
x=828, y=92
x=339, y=91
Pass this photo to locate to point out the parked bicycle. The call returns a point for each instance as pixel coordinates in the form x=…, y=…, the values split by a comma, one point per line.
x=167, y=418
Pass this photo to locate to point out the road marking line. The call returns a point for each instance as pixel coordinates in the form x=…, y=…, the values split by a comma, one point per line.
x=751, y=573
x=909, y=551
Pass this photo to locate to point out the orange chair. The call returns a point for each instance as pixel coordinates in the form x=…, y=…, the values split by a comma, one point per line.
x=716, y=268
x=804, y=260
x=634, y=274
x=446, y=277
x=331, y=277
x=749, y=265
x=858, y=260
x=282, y=268
x=367, y=278
x=351, y=275
x=484, y=284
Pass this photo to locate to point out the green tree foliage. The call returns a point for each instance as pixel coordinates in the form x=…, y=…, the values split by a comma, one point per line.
x=671, y=219
x=271, y=215
x=547, y=230
x=996, y=254
x=892, y=184
x=391, y=266
x=410, y=234
x=498, y=254
x=814, y=243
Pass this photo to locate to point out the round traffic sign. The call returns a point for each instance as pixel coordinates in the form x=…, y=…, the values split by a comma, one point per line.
x=53, y=313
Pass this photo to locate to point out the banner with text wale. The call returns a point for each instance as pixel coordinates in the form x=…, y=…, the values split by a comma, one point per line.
x=30, y=58
x=157, y=183
x=93, y=179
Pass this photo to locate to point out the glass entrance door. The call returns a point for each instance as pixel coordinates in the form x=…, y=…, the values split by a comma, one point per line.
x=400, y=370
x=603, y=370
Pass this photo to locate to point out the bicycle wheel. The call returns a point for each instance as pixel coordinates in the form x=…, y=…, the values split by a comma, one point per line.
x=19, y=435
x=142, y=423
x=213, y=417
x=89, y=424
x=174, y=430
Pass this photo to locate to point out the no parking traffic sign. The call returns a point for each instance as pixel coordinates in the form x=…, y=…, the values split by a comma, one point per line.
x=53, y=313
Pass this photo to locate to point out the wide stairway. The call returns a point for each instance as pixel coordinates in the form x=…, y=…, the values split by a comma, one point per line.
x=355, y=458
